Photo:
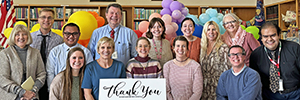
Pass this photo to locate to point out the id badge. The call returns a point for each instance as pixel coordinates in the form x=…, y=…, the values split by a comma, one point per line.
x=280, y=85
x=115, y=55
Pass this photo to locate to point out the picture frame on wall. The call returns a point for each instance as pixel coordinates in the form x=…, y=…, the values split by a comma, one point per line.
x=102, y=0
x=123, y=18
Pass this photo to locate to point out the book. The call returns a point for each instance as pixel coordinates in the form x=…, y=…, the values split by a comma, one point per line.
x=28, y=84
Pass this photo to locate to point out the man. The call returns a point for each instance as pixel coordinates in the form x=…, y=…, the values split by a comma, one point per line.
x=240, y=82
x=56, y=61
x=44, y=40
x=278, y=63
x=124, y=37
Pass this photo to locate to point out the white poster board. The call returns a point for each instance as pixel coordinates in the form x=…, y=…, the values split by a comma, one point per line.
x=132, y=89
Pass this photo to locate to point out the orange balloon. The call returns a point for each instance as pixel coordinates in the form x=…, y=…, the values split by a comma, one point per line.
x=84, y=42
x=100, y=21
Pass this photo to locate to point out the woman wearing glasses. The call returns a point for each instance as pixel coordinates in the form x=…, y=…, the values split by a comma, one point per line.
x=213, y=59
x=235, y=35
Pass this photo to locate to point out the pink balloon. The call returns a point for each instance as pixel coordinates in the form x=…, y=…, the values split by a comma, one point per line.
x=167, y=19
x=144, y=35
x=154, y=15
x=176, y=14
x=170, y=36
x=169, y=29
x=181, y=18
x=143, y=26
x=175, y=26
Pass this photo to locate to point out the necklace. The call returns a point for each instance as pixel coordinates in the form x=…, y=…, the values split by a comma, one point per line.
x=158, y=54
x=183, y=60
x=143, y=66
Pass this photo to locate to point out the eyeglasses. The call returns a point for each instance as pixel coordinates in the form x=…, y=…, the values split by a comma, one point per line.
x=44, y=17
x=236, y=54
x=68, y=34
x=229, y=22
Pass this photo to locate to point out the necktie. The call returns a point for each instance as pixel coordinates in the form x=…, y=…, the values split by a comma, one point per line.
x=274, y=78
x=112, y=32
x=43, y=49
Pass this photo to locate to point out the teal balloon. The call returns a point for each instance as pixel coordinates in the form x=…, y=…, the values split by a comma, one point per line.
x=243, y=27
x=215, y=19
x=204, y=18
x=195, y=19
x=220, y=16
x=212, y=12
x=253, y=30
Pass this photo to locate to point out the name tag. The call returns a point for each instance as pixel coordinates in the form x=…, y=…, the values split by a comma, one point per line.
x=115, y=55
x=280, y=85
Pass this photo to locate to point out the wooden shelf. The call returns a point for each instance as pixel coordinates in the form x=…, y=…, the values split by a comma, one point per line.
x=271, y=19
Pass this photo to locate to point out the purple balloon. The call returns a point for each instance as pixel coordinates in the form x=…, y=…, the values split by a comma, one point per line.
x=175, y=5
x=181, y=18
x=176, y=14
x=182, y=6
x=166, y=3
x=184, y=11
x=174, y=20
x=165, y=11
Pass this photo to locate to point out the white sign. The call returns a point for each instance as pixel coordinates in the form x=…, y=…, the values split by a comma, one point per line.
x=132, y=89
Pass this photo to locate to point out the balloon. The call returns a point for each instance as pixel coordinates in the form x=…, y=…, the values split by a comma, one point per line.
x=175, y=5
x=215, y=19
x=221, y=28
x=84, y=42
x=138, y=33
x=243, y=27
x=167, y=19
x=253, y=30
x=154, y=15
x=144, y=35
x=7, y=32
x=58, y=32
x=220, y=16
x=195, y=19
x=212, y=12
x=181, y=18
x=169, y=29
x=100, y=21
x=204, y=18
x=165, y=11
x=170, y=36
x=175, y=26
x=166, y=3
x=35, y=27
x=176, y=14
x=184, y=11
x=143, y=26
x=20, y=23
x=86, y=22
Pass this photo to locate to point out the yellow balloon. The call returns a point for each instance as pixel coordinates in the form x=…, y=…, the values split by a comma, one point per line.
x=57, y=31
x=7, y=32
x=35, y=27
x=20, y=23
x=86, y=22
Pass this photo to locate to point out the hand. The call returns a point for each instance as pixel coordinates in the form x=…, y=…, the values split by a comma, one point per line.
x=28, y=95
x=24, y=98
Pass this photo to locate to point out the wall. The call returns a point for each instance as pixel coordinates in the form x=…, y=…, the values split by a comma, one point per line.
x=268, y=2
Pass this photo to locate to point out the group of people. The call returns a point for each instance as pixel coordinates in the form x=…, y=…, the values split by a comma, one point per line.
x=231, y=66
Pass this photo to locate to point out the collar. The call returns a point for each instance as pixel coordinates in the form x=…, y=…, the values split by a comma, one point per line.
x=48, y=34
x=140, y=59
x=67, y=48
x=116, y=29
x=236, y=74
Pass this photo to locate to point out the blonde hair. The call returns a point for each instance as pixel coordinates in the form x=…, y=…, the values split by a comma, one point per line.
x=204, y=41
x=47, y=10
x=17, y=29
x=108, y=40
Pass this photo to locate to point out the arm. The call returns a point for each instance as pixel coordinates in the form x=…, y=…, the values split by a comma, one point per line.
x=253, y=43
x=168, y=88
x=88, y=94
x=123, y=71
x=129, y=72
x=92, y=44
x=50, y=67
x=159, y=73
x=89, y=57
x=252, y=88
x=197, y=84
x=55, y=88
x=221, y=92
x=40, y=74
x=133, y=38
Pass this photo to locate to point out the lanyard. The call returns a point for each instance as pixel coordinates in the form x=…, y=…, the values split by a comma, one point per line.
x=273, y=62
x=160, y=50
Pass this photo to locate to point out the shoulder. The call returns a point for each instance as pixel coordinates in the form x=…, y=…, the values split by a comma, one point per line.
x=33, y=49
x=58, y=79
x=132, y=60
x=225, y=74
x=194, y=65
x=34, y=33
x=100, y=28
x=169, y=63
x=258, y=50
x=57, y=48
x=83, y=48
x=251, y=72
x=91, y=65
x=118, y=62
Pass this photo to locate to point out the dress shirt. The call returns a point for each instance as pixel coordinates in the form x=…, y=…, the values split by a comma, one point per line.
x=56, y=61
x=125, y=40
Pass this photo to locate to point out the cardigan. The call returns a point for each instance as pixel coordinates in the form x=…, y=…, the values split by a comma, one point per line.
x=11, y=71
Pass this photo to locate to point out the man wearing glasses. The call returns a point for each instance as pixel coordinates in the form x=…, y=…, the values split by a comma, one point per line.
x=278, y=63
x=44, y=40
x=240, y=82
x=56, y=61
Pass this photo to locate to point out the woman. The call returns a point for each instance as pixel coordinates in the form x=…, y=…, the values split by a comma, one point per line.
x=19, y=62
x=188, y=28
x=143, y=66
x=235, y=35
x=161, y=50
x=102, y=68
x=66, y=85
x=183, y=75
x=213, y=59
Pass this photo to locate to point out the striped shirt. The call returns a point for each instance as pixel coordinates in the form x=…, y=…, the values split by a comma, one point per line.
x=139, y=67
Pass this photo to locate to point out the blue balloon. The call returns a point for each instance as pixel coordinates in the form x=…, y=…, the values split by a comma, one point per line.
x=195, y=19
x=204, y=18
x=220, y=16
x=197, y=32
x=215, y=19
x=221, y=28
x=212, y=12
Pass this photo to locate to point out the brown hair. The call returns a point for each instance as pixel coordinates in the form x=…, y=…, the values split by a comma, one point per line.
x=142, y=38
x=68, y=77
x=152, y=22
x=47, y=10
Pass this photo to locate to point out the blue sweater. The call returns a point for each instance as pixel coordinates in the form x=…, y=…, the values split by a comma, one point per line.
x=245, y=86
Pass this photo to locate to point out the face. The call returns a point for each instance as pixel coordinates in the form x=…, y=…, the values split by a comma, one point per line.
x=105, y=50
x=230, y=24
x=236, y=58
x=114, y=16
x=21, y=39
x=157, y=30
x=76, y=60
x=46, y=20
x=180, y=48
x=187, y=28
x=270, y=38
x=143, y=48
x=71, y=35
x=211, y=33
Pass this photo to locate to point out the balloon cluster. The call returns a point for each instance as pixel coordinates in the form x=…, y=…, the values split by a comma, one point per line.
x=175, y=9
x=212, y=15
